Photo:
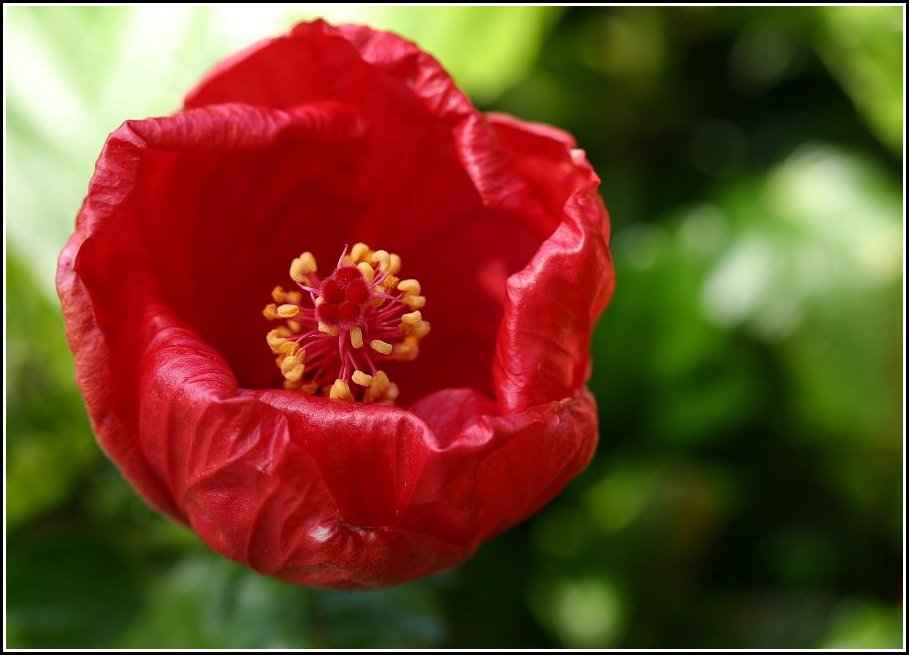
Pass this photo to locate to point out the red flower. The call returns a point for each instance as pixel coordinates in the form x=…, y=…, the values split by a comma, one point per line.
x=326, y=137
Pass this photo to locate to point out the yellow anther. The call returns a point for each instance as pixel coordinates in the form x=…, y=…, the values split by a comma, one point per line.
x=271, y=311
x=329, y=330
x=382, y=258
x=309, y=261
x=394, y=264
x=392, y=392
x=390, y=282
x=291, y=349
x=310, y=388
x=377, y=302
x=360, y=252
x=292, y=369
x=291, y=352
x=366, y=270
x=288, y=349
x=381, y=346
x=412, y=318
x=301, y=267
x=415, y=302
x=361, y=378
x=418, y=330
x=279, y=295
x=377, y=388
x=356, y=337
x=288, y=311
x=295, y=326
x=296, y=272
x=319, y=300
x=276, y=337
x=409, y=286
x=340, y=391
x=408, y=349
x=295, y=373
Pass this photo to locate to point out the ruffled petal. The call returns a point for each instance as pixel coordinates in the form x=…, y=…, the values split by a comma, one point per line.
x=488, y=472
x=114, y=430
x=316, y=60
x=552, y=305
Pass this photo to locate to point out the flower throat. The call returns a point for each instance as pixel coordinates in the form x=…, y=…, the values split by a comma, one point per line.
x=339, y=331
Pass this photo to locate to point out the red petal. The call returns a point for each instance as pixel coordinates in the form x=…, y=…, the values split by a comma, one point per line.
x=111, y=414
x=551, y=306
x=489, y=472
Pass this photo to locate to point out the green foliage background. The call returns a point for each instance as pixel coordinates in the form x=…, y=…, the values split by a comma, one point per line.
x=747, y=489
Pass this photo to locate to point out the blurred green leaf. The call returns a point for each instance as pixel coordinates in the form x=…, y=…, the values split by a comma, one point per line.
x=586, y=613
x=49, y=445
x=688, y=382
x=407, y=616
x=205, y=601
x=816, y=265
x=69, y=588
x=863, y=46
x=866, y=625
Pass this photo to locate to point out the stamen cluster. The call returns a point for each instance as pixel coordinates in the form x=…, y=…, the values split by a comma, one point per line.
x=340, y=330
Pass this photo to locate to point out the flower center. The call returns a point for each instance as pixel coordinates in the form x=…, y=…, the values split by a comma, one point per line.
x=343, y=297
x=339, y=330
